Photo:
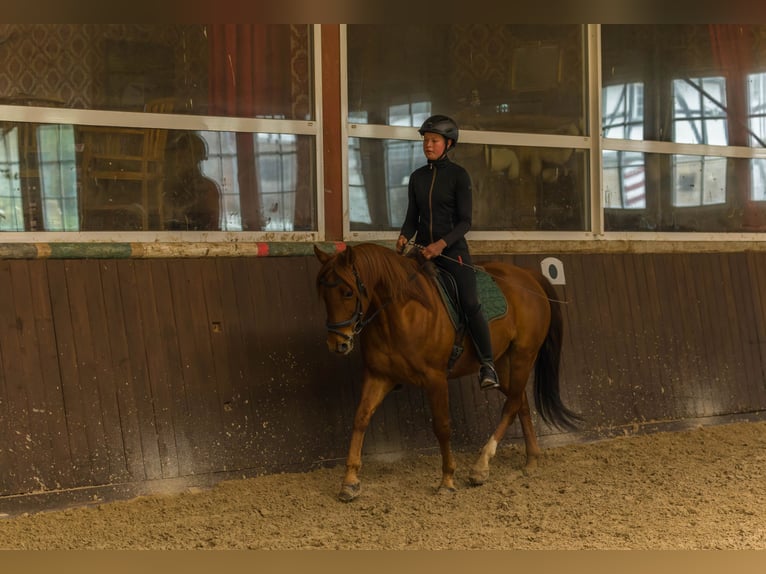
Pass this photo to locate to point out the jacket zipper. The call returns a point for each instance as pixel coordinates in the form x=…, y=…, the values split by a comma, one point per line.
x=430, y=204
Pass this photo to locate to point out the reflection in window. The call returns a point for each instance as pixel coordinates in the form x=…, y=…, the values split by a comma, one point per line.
x=400, y=158
x=277, y=166
x=699, y=111
x=58, y=177
x=757, y=124
x=698, y=180
x=699, y=117
x=359, y=211
x=95, y=177
x=240, y=181
x=235, y=70
x=221, y=166
x=624, y=180
x=623, y=111
x=624, y=172
x=412, y=114
x=38, y=174
x=403, y=157
x=759, y=179
x=378, y=189
x=495, y=77
x=11, y=211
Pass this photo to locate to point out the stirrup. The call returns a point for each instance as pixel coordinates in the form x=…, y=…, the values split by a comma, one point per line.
x=488, y=377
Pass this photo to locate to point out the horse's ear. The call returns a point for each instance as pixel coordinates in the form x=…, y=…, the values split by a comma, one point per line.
x=348, y=253
x=321, y=255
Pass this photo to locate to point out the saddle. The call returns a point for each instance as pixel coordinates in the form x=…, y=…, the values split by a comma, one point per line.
x=493, y=303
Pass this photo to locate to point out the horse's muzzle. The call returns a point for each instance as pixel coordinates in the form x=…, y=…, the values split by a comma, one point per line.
x=340, y=344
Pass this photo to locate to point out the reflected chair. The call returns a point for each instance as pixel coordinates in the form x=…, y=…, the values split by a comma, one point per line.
x=121, y=174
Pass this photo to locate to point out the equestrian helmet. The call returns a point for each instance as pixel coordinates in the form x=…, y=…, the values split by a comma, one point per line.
x=442, y=125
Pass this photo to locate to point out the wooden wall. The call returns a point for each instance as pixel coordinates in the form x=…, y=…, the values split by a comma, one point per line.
x=122, y=371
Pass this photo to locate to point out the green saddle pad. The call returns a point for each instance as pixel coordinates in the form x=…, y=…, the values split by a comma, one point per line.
x=493, y=303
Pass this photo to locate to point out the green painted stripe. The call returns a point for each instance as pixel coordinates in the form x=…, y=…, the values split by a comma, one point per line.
x=90, y=250
x=18, y=251
x=298, y=249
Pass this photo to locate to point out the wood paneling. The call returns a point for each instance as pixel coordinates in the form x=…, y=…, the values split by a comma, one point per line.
x=118, y=371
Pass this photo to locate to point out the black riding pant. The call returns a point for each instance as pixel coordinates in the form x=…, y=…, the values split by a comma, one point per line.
x=465, y=278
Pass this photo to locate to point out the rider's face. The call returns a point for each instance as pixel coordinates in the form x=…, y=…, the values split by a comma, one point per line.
x=434, y=145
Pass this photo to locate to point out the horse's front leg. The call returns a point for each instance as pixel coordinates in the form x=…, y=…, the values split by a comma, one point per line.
x=438, y=397
x=374, y=390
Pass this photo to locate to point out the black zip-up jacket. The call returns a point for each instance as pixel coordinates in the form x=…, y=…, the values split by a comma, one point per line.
x=440, y=205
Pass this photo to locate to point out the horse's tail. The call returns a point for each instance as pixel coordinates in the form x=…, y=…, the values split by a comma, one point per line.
x=547, y=396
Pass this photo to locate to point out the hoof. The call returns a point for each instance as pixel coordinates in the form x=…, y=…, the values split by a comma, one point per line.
x=531, y=467
x=349, y=492
x=478, y=477
x=446, y=490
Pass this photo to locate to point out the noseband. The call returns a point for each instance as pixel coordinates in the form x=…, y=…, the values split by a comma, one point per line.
x=357, y=319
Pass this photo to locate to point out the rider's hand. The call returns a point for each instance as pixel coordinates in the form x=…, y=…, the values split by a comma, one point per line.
x=434, y=249
x=400, y=244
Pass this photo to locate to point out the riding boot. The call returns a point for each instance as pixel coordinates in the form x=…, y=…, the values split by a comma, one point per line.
x=479, y=329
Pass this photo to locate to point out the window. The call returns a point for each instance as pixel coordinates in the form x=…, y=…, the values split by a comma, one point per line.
x=500, y=83
x=701, y=104
x=276, y=162
x=58, y=181
x=11, y=210
x=624, y=172
x=623, y=111
x=210, y=128
x=699, y=117
x=220, y=165
x=698, y=180
x=624, y=180
x=400, y=159
x=757, y=124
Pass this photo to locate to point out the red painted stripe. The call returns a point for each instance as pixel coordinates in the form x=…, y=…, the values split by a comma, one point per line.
x=262, y=249
x=339, y=246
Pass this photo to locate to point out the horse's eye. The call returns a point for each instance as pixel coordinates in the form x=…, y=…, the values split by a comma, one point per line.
x=348, y=293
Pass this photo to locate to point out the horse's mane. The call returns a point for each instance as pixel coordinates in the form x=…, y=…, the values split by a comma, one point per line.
x=397, y=278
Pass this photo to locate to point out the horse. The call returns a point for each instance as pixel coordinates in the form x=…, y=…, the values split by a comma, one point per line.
x=390, y=303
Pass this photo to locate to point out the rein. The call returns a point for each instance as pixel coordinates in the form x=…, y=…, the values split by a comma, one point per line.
x=460, y=262
x=357, y=318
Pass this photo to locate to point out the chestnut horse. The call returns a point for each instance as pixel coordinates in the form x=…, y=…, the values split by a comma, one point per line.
x=406, y=335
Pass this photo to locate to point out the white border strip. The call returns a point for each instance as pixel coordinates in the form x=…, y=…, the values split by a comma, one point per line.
x=151, y=120
x=469, y=136
x=670, y=148
x=319, y=135
x=593, y=57
x=344, y=130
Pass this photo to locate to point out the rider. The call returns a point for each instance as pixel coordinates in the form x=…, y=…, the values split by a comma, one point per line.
x=439, y=212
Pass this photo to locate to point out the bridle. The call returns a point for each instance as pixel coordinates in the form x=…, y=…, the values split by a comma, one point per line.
x=357, y=320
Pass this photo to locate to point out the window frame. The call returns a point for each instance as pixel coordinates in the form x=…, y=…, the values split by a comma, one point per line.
x=387, y=132
x=593, y=145
x=312, y=128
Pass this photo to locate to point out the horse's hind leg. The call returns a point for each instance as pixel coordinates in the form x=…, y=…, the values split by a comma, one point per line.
x=530, y=437
x=480, y=469
x=516, y=371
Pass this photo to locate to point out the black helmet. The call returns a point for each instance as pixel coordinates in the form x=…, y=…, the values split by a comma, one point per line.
x=442, y=125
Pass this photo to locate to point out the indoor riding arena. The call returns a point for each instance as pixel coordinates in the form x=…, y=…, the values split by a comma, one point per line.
x=165, y=377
